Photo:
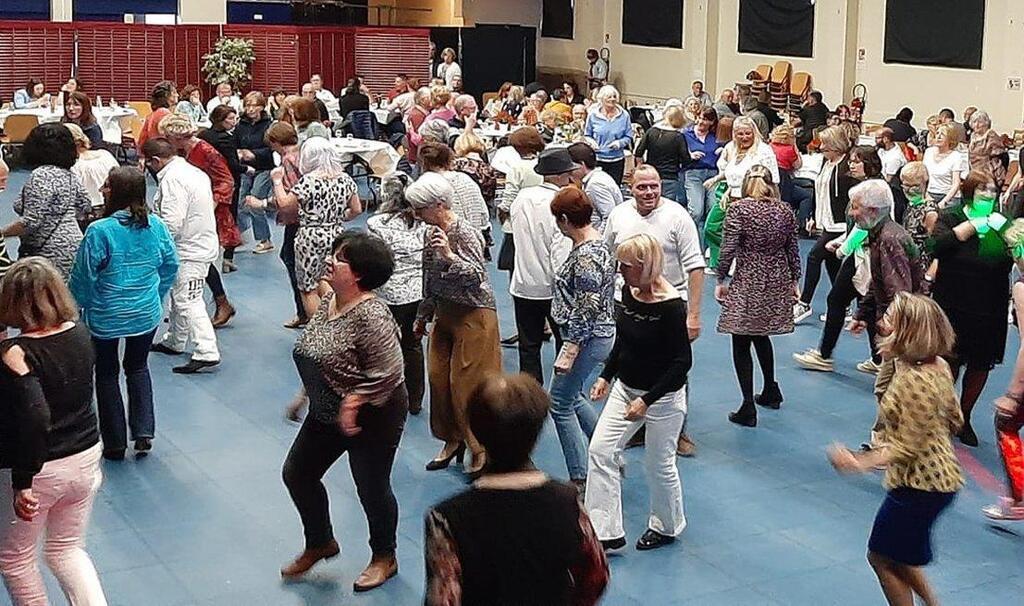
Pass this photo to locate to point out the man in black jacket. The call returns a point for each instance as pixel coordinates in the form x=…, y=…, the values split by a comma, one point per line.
x=813, y=115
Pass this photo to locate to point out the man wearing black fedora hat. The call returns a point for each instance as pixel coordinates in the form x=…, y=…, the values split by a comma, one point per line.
x=540, y=251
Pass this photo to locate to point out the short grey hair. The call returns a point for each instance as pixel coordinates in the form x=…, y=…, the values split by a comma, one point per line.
x=463, y=101
x=392, y=192
x=873, y=193
x=422, y=96
x=606, y=92
x=436, y=129
x=978, y=117
x=431, y=189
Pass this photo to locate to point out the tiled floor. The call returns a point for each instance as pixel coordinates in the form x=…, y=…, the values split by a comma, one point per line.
x=206, y=519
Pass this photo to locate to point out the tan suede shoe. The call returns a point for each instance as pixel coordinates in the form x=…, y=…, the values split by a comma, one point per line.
x=376, y=573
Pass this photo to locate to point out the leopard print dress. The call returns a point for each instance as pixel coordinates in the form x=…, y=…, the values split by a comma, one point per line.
x=322, y=205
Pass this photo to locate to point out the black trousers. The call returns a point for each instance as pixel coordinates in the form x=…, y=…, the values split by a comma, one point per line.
x=288, y=258
x=214, y=282
x=815, y=258
x=412, y=352
x=615, y=168
x=843, y=293
x=531, y=314
x=370, y=455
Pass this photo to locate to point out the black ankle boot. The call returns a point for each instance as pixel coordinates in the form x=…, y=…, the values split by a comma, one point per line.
x=746, y=415
x=771, y=397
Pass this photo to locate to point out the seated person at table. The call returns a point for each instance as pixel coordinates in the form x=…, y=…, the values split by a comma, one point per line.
x=276, y=102
x=353, y=98
x=401, y=87
x=309, y=93
x=465, y=108
x=78, y=110
x=225, y=95
x=191, y=104
x=321, y=93
x=33, y=95
x=73, y=85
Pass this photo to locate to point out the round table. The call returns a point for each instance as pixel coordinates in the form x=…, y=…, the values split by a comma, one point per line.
x=379, y=155
x=109, y=118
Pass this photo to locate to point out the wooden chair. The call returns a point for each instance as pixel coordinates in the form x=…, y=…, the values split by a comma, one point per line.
x=780, y=72
x=143, y=108
x=762, y=72
x=131, y=129
x=16, y=130
x=487, y=98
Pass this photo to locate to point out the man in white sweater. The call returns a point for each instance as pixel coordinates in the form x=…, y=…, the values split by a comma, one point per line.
x=184, y=201
x=669, y=223
x=541, y=249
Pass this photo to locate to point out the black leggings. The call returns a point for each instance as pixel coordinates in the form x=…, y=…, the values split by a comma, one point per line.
x=815, y=258
x=288, y=258
x=214, y=282
x=843, y=294
x=744, y=363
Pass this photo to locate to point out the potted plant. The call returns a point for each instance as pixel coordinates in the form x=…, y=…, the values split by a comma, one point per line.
x=229, y=61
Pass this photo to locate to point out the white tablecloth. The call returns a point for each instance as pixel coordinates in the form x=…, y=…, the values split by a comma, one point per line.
x=381, y=157
x=108, y=118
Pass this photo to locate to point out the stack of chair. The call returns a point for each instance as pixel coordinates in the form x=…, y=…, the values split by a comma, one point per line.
x=778, y=85
x=799, y=87
x=759, y=79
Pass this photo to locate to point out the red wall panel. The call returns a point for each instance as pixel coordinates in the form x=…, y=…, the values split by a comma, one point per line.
x=125, y=61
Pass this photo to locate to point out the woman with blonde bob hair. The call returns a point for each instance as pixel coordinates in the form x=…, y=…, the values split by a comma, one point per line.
x=918, y=414
x=757, y=298
x=646, y=375
x=51, y=441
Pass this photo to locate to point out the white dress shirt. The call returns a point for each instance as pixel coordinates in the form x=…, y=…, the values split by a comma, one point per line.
x=519, y=174
x=541, y=248
x=326, y=96
x=604, y=193
x=448, y=71
x=234, y=101
x=403, y=103
x=670, y=225
x=184, y=200
x=892, y=160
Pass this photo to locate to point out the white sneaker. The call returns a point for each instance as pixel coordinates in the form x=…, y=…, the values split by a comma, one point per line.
x=801, y=311
x=708, y=271
x=1005, y=509
x=846, y=319
x=869, y=366
x=813, y=360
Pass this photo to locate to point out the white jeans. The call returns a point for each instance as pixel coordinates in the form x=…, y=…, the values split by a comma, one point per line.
x=603, y=500
x=66, y=489
x=188, y=318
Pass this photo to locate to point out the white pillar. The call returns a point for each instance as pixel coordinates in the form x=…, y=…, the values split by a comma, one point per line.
x=60, y=10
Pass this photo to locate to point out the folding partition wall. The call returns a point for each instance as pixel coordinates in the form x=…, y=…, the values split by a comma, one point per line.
x=125, y=61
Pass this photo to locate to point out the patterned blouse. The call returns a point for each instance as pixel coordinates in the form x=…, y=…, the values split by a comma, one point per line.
x=913, y=222
x=462, y=280
x=357, y=353
x=983, y=153
x=920, y=411
x=482, y=173
x=584, y=293
x=50, y=205
x=323, y=201
x=406, y=244
x=468, y=203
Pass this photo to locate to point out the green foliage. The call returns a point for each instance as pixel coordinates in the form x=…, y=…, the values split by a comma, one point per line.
x=229, y=62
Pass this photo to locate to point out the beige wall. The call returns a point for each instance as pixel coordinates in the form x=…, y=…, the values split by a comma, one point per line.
x=420, y=12
x=60, y=10
x=203, y=11
x=519, y=12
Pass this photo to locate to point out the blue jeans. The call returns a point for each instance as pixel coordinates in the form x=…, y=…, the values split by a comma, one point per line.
x=670, y=189
x=574, y=416
x=697, y=200
x=110, y=403
x=257, y=185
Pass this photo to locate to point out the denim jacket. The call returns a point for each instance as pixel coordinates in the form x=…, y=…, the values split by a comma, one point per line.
x=122, y=273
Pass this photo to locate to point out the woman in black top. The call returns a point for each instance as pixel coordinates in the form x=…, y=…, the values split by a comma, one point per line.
x=350, y=363
x=353, y=98
x=254, y=152
x=664, y=147
x=649, y=363
x=973, y=287
x=517, y=537
x=223, y=120
x=48, y=436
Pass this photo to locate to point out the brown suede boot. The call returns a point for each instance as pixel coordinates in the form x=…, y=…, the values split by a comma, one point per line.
x=224, y=312
x=376, y=573
x=308, y=558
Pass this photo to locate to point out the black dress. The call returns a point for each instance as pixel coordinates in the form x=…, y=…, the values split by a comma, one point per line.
x=973, y=288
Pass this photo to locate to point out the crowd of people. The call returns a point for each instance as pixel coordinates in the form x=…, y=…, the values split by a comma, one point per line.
x=918, y=235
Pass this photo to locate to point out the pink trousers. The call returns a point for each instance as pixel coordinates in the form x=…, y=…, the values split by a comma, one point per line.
x=66, y=489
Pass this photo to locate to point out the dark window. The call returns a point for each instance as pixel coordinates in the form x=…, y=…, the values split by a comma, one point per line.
x=115, y=10
x=777, y=27
x=653, y=22
x=556, y=19
x=946, y=33
x=25, y=9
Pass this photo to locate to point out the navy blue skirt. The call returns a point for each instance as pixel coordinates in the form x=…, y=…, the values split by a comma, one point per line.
x=903, y=525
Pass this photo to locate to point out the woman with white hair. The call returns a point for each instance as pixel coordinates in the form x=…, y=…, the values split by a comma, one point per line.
x=93, y=165
x=646, y=374
x=326, y=198
x=459, y=301
x=608, y=124
x=745, y=151
x=985, y=150
x=397, y=225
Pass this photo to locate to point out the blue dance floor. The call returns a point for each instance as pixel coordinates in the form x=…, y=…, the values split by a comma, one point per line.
x=206, y=520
